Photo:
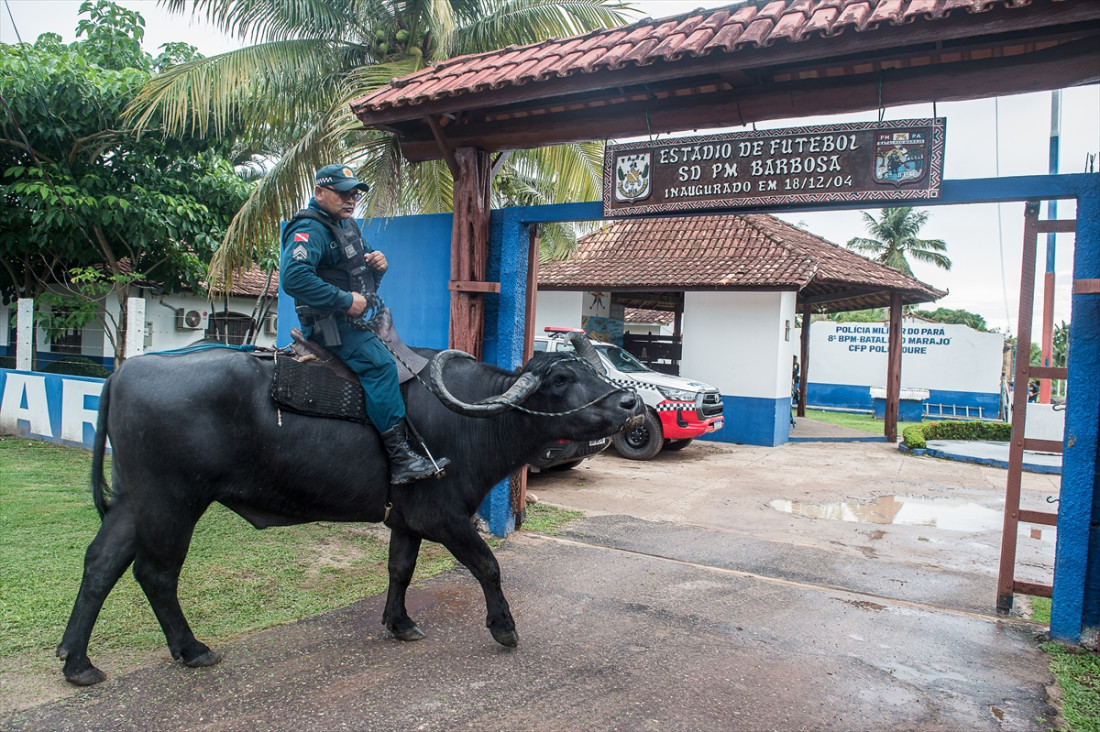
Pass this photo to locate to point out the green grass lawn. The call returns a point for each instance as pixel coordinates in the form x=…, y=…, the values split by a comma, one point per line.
x=855, y=420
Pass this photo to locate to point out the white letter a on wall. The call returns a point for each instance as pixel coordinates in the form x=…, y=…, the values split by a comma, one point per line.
x=37, y=411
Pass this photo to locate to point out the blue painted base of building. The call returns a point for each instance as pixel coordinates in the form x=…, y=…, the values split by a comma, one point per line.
x=850, y=396
x=754, y=421
x=909, y=410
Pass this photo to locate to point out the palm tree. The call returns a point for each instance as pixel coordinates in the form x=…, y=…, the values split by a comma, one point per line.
x=895, y=237
x=310, y=58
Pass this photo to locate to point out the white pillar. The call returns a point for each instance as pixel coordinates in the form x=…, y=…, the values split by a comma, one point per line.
x=135, y=326
x=24, y=338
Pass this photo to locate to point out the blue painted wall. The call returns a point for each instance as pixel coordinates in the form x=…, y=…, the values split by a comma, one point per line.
x=847, y=396
x=418, y=250
x=754, y=421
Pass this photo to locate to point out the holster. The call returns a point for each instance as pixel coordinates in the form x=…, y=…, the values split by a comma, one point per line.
x=321, y=321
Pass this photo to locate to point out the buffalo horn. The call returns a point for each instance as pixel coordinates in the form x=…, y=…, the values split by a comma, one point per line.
x=585, y=348
x=525, y=385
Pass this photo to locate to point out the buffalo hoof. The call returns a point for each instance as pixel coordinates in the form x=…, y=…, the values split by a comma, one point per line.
x=507, y=638
x=409, y=634
x=87, y=677
x=209, y=658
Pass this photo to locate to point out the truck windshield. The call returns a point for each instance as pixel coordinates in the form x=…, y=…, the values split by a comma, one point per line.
x=620, y=360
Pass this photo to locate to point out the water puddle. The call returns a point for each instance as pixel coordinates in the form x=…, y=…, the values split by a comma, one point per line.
x=949, y=514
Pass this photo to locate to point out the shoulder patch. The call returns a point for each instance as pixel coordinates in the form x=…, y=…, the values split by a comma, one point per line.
x=301, y=236
x=299, y=253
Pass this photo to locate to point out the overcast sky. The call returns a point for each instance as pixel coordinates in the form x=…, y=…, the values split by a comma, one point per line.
x=986, y=138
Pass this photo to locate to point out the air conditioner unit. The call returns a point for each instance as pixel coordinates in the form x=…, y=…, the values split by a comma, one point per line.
x=271, y=325
x=190, y=319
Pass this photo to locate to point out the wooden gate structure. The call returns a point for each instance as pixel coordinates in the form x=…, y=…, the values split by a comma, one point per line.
x=766, y=60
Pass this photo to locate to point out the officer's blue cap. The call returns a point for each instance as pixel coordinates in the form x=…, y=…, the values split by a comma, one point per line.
x=339, y=178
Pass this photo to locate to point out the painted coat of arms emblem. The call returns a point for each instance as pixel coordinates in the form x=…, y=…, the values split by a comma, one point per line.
x=632, y=177
x=900, y=157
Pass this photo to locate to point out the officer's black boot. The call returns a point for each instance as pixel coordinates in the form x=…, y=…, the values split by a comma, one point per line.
x=407, y=465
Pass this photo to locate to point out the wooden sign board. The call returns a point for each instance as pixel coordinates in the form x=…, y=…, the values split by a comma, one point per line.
x=896, y=161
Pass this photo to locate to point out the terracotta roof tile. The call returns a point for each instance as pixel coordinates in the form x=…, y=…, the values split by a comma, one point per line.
x=821, y=21
x=726, y=38
x=887, y=10
x=732, y=252
x=757, y=32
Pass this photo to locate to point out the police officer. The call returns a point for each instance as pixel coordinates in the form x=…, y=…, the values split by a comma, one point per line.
x=322, y=268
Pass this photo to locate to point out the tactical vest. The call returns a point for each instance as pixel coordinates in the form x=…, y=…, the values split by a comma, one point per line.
x=352, y=273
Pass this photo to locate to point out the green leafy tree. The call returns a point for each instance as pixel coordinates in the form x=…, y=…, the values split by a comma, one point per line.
x=79, y=191
x=894, y=238
x=311, y=58
x=955, y=317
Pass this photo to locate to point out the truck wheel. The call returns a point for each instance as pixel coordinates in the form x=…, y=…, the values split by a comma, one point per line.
x=678, y=444
x=641, y=442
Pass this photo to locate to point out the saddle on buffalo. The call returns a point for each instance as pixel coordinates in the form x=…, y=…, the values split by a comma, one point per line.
x=311, y=380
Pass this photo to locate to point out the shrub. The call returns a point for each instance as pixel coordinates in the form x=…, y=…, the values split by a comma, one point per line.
x=913, y=437
x=77, y=366
x=997, y=431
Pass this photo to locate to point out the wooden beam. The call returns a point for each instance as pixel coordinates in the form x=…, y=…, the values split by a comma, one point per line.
x=444, y=149
x=1086, y=287
x=469, y=286
x=469, y=248
x=893, y=369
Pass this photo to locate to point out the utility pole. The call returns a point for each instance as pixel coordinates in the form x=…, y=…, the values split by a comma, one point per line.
x=1048, y=279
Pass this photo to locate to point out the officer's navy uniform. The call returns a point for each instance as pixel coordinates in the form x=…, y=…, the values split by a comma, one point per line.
x=308, y=248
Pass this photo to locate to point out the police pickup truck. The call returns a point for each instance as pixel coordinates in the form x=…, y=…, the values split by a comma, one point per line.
x=677, y=409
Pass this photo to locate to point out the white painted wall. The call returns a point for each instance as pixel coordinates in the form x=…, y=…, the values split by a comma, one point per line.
x=957, y=358
x=737, y=341
x=161, y=332
x=558, y=308
x=648, y=329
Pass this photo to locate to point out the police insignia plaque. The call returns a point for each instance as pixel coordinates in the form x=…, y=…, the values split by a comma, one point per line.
x=632, y=177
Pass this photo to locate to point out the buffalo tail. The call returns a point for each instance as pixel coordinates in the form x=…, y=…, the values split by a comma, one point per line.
x=100, y=489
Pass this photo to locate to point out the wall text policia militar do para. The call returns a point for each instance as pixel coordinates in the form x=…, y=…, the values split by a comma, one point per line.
x=864, y=161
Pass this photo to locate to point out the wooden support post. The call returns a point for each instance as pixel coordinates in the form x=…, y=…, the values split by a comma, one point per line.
x=469, y=248
x=804, y=358
x=893, y=369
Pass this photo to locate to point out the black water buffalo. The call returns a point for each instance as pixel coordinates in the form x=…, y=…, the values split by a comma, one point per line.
x=189, y=430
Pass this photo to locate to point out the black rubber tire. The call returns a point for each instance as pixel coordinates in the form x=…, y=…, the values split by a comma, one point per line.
x=680, y=444
x=642, y=442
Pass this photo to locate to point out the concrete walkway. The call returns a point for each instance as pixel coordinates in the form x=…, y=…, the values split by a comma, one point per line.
x=684, y=601
x=993, y=453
